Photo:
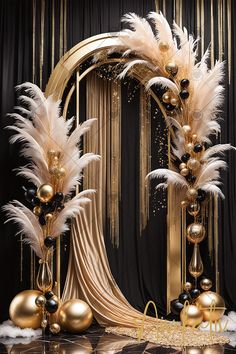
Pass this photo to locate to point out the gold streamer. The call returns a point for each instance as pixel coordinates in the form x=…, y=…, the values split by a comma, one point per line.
x=65, y=27
x=210, y=233
x=229, y=25
x=183, y=265
x=61, y=30
x=220, y=28
x=198, y=18
x=216, y=243
x=202, y=28
x=144, y=157
x=42, y=43
x=53, y=35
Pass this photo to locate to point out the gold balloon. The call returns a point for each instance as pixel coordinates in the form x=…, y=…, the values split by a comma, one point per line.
x=196, y=266
x=174, y=101
x=192, y=193
x=48, y=216
x=61, y=172
x=193, y=164
x=40, y=301
x=184, y=172
x=193, y=208
x=191, y=316
x=182, y=165
x=189, y=147
x=186, y=128
x=75, y=316
x=187, y=286
x=171, y=68
x=184, y=204
x=45, y=192
x=55, y=328
x=206, y=284
x=166, y=97
x=163, y=46
x=193, y=350
x=24, y=312
x=196, y=232
x=194, y=138
x=210, y=299
x=44, y=323
x=37, y=210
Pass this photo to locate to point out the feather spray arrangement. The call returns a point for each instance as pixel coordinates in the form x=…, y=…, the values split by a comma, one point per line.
x=55, y=168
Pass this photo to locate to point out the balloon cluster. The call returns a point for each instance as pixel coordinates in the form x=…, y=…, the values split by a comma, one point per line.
x=202, y=306
x=49, y=303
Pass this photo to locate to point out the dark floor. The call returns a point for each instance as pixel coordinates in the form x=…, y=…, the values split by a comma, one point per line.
x=96, y=341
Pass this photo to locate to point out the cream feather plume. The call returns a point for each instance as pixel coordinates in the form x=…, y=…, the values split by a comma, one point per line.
x=171, y=177
x=54, y=158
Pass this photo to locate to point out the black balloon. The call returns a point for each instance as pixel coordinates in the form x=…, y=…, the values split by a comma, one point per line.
x=30, y=194
x=185, y=157
x=201, y=195
x=184, y=83
x=48, y=295
x=183, y=297
x=58, y=197
x=51, y=305
x=42, y=220
x=169, y=107
x=197, y=148
x=191, y=178
x=184, y=94
x=176, y=306
x=35, y=201
x=194, y=293
x=49, y=241
x=60, y=207
x=47, y=207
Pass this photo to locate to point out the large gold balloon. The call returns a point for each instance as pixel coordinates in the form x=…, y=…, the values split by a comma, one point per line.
x=191, y=316
x=206, y=284
x=208, y=300
x=196, y=232
x=24, y=312
x=45, y=192
x=75, y=316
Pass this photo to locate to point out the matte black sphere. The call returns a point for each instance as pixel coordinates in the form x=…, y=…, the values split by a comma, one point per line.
x=51, y=305
x=197, y=148
x=185, y=157
x=183, y=297
x=42, y=220
x=176, y=306
x=30, y=194
x=48, y=295
x=184, y=83
x=191, y=178
x=169, y=107
x=184, y=94
x=35, y=201
x=47, y=207
x=49, y=241
x=195, y=293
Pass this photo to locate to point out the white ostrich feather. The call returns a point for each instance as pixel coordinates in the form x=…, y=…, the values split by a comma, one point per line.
x=130, y=65
x=162, y=27
x=72, y=208
x=210, y=171
x=216, y=149
x=171, y=177
x=163, y=82
x=28, y=225
x=212, y=188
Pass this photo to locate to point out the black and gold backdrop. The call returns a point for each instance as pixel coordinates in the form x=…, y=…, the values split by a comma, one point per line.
x=34, y=35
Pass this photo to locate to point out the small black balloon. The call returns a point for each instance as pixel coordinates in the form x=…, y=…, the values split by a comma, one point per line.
x=169, y=107
x=58, y=197
x=42, y=220
x=197, y=148
x=191, y=178
x=30, y=194
x=46, y=207
x=49, y=241
x=201, y=195
x=195, y=293
x=184, y=83
x=185, y=157
x=184, y=94
x=51, y=305
x=48, y=295
x=183, y=297
x=35, y=201
x=60, y=207
x=176, y=306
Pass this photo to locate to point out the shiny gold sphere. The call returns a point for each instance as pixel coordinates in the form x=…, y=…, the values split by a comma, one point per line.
x=53, y=170
x=184, y=172
x=206, y=284
x=166, y=97
x=24, y=312
x=194, y=138
x=192, y=193
x=193, y=350
x=49, y=217
x=44, y=323
x=189, y=147
x=163, y=46
x=55, y=328
x=186, y=128
x=210, y=299
x=75, y=316
x=183, y=204
x=37, y=210
x=214, y=349
x=174, y=101
x=45, y=192
x=171, y=68
x=193, y=208
x=193, y=164
x=61, y=172
x=196, y=232
x=191, y=316
x=187, y=286
x=52, y=153
x=182, y=165
x=40, y=301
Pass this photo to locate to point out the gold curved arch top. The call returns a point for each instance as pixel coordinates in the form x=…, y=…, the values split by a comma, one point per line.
x=76, y=56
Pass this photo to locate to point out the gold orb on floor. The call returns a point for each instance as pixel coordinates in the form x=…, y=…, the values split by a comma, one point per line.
x=191, y=316
x=75, y=316
x=24, y=312
x=212, y=306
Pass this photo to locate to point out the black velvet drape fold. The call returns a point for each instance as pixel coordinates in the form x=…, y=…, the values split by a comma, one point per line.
x=30, y=56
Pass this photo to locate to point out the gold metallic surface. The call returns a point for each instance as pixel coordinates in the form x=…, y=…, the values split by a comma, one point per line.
x=196, y=232
x=196, y=266
x=206, y=284
x=45, y=192
x=212, y=305
x=191, y=316
x=23, y=311
x=75, y=316
x=40, y=301
x=44, y=277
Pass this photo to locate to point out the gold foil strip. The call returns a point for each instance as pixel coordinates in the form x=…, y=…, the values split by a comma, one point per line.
x=42, y=43
x=21, y=258
x=183, y=251
x=202, y=28
x=229, y=26
x=157, y=5
x=210, y=231
x=61, y=29
x=164, y=7
x=198, y=18
x=144, y=157
x=216, y=243
x=220, y=28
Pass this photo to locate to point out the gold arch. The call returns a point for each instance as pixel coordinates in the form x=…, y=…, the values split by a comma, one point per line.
x=56, y=86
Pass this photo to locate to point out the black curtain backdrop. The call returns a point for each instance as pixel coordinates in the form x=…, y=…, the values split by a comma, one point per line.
x=139, y=265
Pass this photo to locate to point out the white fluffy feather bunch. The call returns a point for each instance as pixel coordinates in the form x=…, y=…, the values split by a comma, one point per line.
x=54, y=160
